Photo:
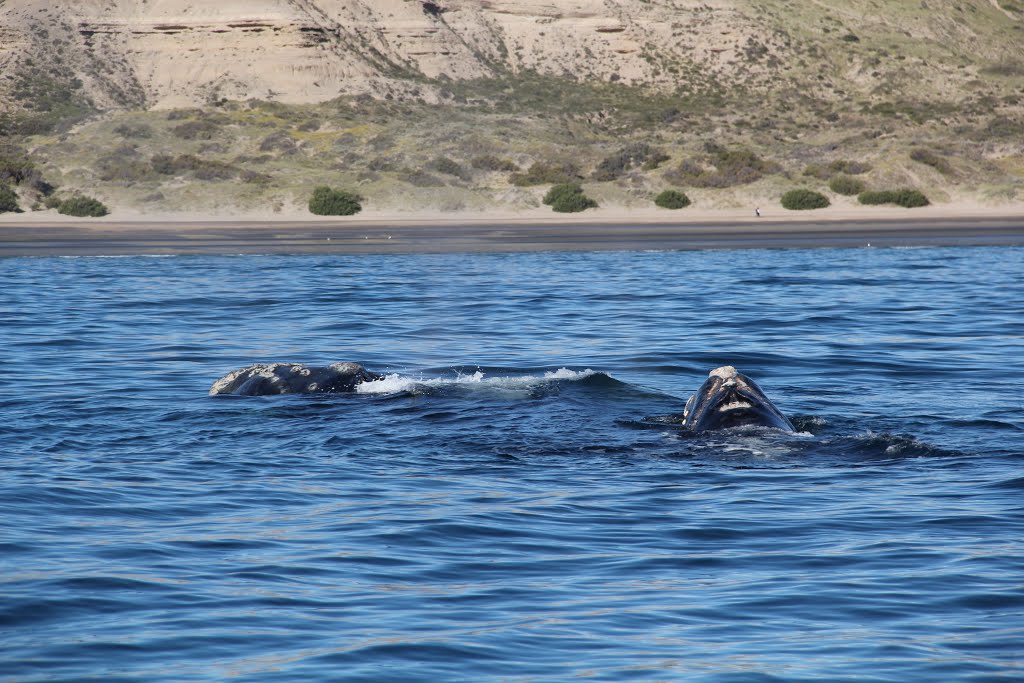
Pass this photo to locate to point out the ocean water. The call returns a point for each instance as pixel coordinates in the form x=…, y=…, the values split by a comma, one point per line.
x=516, y=501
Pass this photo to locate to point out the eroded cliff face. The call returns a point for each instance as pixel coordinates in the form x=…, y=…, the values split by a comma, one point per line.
x=169, y=53
x=172, y=53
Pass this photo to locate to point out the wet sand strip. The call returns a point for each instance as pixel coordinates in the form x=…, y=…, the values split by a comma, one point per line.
x=296, y=237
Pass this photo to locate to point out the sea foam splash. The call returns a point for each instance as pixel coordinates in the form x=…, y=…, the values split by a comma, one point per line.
x=395, y=383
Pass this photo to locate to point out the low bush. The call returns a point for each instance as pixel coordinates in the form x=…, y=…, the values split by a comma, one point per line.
x=728, y=169
x=637, y=154
x=562, y=189
x=929, y=158
x=568, y=198
x=672, y=199
x=280, y=142
x=448, y=167
x=8, y=200
x=83, y=207
x=803, y=200
x=493, y=163
x=845, y=185
x=849, y=167
x=906, y=197
x=123, y=164
x=1003, y=127
x=15, y=166
x=201, y=169
x=873, y=197
x=911, y=199
x=134, y=131
x=843, y=166
x=195, y=130
x=328, y=202
x=818, y=171
x=489, y=162
x=420, y=178
x=541, y=173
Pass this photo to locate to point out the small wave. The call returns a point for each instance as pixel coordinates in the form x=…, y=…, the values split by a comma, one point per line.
x=397, y=384
x=888, y=445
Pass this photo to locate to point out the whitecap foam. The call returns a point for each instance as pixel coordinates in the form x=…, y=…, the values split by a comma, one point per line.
x=389, y=384
x=395, y=383
x=566, y=373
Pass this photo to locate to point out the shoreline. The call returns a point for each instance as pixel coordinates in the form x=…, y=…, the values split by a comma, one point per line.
x=382, y=233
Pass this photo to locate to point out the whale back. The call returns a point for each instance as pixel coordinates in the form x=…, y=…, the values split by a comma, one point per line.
x=293, y=378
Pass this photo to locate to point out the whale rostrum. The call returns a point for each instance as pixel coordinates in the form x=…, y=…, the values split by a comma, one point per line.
x=731, y=399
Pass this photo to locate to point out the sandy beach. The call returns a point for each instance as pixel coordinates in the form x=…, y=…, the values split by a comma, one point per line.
x=46, y=233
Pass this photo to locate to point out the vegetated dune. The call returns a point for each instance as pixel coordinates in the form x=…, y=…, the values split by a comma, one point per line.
x=467, y=104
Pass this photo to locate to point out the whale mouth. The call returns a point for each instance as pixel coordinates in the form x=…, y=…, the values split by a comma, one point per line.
x=735, y=404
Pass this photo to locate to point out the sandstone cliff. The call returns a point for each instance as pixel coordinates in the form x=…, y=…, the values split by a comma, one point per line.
x=172, y=53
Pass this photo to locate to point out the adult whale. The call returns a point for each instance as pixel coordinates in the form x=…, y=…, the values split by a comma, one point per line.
x=731, y=399
x=291, y=378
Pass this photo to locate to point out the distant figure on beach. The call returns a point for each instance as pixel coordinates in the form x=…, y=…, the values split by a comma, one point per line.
x=757, y=211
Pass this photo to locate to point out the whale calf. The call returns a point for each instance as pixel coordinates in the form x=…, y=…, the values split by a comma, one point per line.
x=731, y=399
x=293, y=378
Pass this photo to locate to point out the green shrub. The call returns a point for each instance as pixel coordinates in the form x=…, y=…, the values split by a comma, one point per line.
x=15, y=165
x=541, y=173
x=562, y=189
x=873, y=197
x=8, y=200
x=568, y=198
x=672, y=199
x=906, y=197
x=802, y=200
x=844, y=184
x=328, y=202
x=911, y=199
x=83, y=207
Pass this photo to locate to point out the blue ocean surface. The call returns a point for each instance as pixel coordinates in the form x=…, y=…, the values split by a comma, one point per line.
x=515, y=501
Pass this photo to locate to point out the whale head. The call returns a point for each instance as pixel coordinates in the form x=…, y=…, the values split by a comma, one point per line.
x=731, y=399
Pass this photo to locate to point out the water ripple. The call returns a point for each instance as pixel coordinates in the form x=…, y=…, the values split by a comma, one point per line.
x=517, y=501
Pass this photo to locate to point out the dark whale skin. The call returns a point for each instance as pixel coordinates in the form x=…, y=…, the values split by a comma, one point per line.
x=293, y=378
x=731, y=399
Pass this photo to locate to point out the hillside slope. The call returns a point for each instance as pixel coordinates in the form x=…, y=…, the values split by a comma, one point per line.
x=173, y=53
x=377, y=94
